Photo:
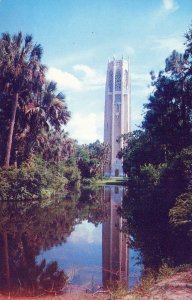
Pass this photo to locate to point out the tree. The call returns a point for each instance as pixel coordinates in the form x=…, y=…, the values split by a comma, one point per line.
x=29, y=105
x=157, y=159
x=168, y=116
x=21, y=77
x=139, y=150
x=40, y=122
x=99, y=152
x=181, y=213
x=167, y=125
x=92, y=158
x=56, y=146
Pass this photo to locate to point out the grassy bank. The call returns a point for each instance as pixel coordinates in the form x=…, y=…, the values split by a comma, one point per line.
x=169, y=283
x=111, y=181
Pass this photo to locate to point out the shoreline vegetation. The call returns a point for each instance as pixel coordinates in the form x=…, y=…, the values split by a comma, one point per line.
x=171, y=283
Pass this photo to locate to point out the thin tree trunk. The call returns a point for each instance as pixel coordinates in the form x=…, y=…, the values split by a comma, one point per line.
x=6, y=257
x=10, y=134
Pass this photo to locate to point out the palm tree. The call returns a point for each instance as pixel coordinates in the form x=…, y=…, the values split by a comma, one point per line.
x=36, y=123
x=54, y=106
x=99, y=152
x=22, y=77
x=55, y=146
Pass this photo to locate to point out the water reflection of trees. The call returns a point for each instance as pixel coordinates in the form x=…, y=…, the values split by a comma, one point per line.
x=28, y=228
x=91, y=206
x=150, y=231
x=20, y=273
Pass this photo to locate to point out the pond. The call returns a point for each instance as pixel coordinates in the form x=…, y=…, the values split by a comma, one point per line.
x=74, y=238
x=98, y=255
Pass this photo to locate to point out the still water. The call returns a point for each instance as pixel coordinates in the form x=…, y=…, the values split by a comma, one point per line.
x=98, y=255
x=74, y=239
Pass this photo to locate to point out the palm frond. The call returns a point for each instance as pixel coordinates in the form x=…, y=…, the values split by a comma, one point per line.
x=52, y=86
x=18, y=39
x=37, y=52
x=43, y=68
x=28, y=40
x=6, y=37
x=61, y=96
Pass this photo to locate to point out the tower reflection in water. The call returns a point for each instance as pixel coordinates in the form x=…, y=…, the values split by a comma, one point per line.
x=114, y=242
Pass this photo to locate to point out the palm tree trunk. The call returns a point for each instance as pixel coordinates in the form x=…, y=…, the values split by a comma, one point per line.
x=10, y=134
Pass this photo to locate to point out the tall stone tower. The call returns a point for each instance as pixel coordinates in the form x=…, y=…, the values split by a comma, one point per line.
x=117, y=118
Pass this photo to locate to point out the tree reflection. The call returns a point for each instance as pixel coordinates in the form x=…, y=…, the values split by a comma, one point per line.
x=151, y=233
x=22, y=274
x=28, y=228
x=91, y=205
x=25, y=230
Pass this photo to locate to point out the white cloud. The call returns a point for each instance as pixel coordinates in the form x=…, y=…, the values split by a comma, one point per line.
x=86, y=78
x=89, y=77
x=87, y=233
x=89, y=72
x=170, y=5
x=169, y=44
x=86, y=128
x=65, y=80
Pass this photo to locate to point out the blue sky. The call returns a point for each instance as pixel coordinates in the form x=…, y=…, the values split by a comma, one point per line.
x=79, y=36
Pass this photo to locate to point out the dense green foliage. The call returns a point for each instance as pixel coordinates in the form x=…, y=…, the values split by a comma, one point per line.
x=38, y=180
x=158, y=163
x=29, y=105
x=91, y=159
x=35, y=150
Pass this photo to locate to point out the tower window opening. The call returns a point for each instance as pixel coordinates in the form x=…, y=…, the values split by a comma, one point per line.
x=118, y=80
x=118, y=98
x=110, y=84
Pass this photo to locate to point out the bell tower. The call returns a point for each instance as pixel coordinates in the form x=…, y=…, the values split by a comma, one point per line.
x=117, y=119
